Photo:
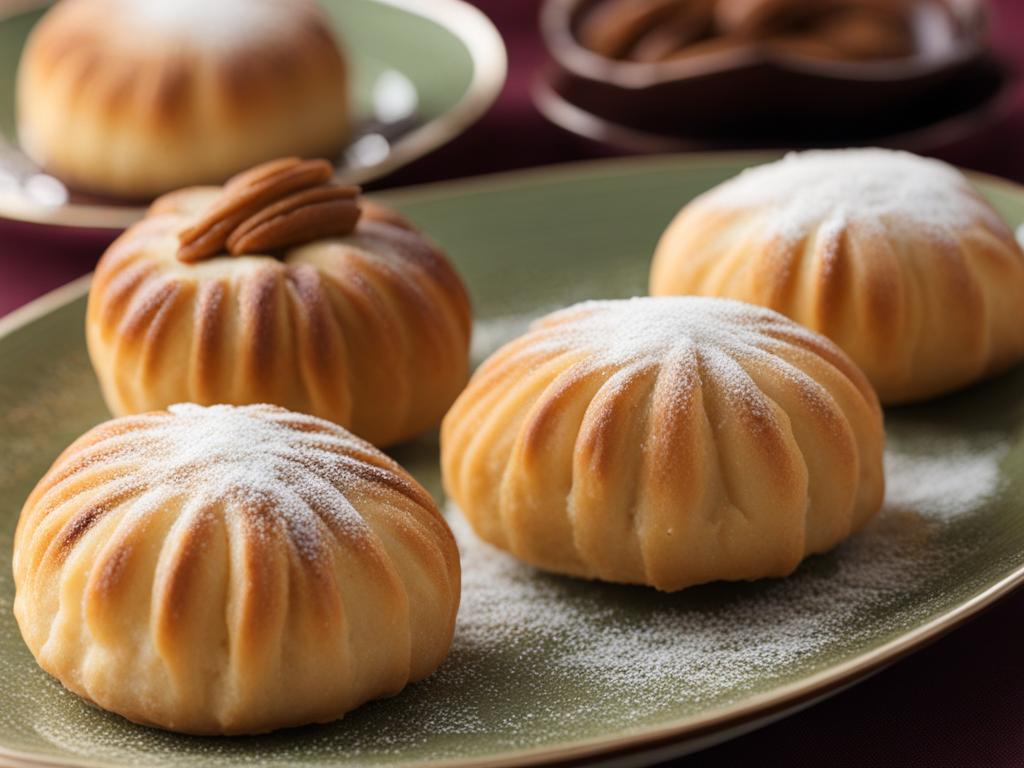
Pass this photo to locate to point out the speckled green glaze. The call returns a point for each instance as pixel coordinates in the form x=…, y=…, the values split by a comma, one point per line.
x=953, y=526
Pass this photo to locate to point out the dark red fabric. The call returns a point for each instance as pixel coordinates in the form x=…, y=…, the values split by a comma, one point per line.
x=959, y=702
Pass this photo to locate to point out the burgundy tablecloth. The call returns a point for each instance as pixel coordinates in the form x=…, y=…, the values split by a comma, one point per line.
x=959, y=702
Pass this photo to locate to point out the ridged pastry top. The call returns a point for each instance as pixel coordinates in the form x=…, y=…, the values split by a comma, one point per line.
x=896, y=258
x=651, y=330
x=281, y=472
x=138, y=97
x=191, y=24
x=281, y=288
x=232, y=569
x=720, y=338
x=161, y=55
x=871, y=187
x=665, y=441
x=222, y=22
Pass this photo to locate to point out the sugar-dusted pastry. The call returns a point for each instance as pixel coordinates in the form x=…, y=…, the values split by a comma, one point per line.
x=138, y=97
x=232, y=570
x=896, y=258
x=281, y=288
x=665, y=441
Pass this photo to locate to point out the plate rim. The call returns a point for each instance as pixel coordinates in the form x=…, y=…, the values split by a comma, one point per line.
x=781, y=700
x=470, y=25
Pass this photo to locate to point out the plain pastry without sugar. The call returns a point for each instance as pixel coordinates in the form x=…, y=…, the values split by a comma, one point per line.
x=896, y=258
x=665, y=441
x=232, y=570
x=282, y=288
x=139, y=97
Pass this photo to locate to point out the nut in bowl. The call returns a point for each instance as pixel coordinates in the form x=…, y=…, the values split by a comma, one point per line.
x=664, y=74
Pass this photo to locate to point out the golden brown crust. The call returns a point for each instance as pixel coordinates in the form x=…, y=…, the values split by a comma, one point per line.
x=115, y=98
x=370, y=330
x=180, y=589
x=922, y=290
x=666, y=442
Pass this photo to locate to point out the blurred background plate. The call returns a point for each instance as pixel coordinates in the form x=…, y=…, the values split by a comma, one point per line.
x=546, y=668
x=964, y=115
x=424, y=71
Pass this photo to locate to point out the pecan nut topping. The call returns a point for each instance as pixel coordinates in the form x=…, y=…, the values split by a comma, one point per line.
x=275, y=205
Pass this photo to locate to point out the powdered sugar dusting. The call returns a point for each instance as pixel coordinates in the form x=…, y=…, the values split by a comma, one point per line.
x=540, y=659
x=718, y=338
x=713, y=644
x=873, y=187
x=217, y=21
x=251, y=457
x=956, y=476
x=650, y=329
x=536, y=653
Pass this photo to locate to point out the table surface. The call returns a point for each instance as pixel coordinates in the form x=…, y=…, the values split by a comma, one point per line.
x=958, y=702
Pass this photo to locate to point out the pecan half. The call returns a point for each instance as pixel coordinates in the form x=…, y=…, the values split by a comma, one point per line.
x=274, y=205
x=299, y=218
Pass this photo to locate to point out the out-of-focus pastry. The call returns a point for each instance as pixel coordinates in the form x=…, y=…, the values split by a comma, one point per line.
x=665, y=441
x=282, y=288
x=232, y=570
x=896, y=258
x=138, y=97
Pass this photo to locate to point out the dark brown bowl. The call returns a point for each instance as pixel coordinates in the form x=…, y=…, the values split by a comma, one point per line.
x=747, y=95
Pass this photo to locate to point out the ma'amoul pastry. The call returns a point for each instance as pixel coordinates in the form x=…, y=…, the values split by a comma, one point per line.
x=665, y=441
x=896, y=258
x=232, y=570
x=138, y=97
x=285, y=289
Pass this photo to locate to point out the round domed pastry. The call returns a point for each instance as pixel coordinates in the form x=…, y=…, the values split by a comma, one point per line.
x=232, y=570
x=667, y=442
x=896, y=258
x=137, y=97
x=281, y=288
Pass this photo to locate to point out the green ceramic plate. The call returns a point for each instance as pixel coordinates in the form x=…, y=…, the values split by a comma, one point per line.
x=424, y=71
x=545, y=668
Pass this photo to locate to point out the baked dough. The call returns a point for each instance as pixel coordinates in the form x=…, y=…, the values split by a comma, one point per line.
x=369, y=330
x=232, y=570
x=896, y=258
x=138, y=97
x=665, y=441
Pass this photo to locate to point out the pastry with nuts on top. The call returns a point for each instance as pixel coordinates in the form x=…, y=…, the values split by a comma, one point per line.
x=283, y=288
